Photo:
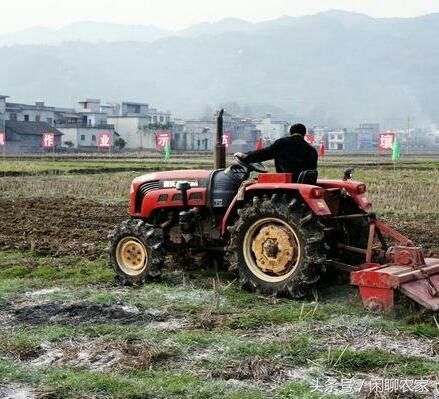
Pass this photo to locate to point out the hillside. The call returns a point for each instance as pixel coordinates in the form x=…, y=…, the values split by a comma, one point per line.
x=333, y=67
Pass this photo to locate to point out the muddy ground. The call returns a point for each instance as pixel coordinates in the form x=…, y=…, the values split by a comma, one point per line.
x=77, y=227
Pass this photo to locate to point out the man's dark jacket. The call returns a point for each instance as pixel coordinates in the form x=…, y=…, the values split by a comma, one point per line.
x=291, y=154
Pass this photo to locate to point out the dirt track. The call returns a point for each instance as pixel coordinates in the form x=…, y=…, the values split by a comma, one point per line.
x=79, y=227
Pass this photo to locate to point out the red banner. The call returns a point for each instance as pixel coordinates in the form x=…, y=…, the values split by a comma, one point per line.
x=385, y=141
x=322, y=149
x=2, y=139
x=309, y=138
x=162, y=139
x=104, y=139
x=227, y=139
x=48, y=140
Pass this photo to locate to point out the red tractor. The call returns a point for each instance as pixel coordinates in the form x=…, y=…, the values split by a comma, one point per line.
x=277, y=235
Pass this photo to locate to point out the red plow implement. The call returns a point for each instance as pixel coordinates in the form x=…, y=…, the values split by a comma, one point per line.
x=405, y=269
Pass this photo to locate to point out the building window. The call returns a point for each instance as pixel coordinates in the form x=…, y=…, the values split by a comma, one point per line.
x=26, y=118
x=161, y=119
x=82, y=137
x=37, y=118
x=49, y=121
x=13, y=116
x=93, y=138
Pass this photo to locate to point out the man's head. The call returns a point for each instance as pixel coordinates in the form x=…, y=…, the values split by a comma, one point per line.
x=298, y=128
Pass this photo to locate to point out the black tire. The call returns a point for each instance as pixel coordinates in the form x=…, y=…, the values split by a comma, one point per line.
x=308, y=236
x=141, y=235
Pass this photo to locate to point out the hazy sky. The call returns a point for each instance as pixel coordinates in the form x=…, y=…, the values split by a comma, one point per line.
x=174, y=14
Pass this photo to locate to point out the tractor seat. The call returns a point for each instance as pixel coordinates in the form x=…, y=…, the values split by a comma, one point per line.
x=308, y=177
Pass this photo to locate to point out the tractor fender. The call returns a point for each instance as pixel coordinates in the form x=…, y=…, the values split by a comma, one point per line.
x=351, y=186
x=317, y=205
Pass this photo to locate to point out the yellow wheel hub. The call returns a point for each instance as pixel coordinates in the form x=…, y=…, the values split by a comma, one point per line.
x=272, y=250
x=131, y=255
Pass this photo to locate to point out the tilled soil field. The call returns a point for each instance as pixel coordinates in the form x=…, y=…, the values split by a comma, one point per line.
x=55, y=227
x=67, y=330
x=79, y=227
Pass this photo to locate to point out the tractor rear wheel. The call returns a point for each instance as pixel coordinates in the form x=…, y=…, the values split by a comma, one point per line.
x=277, y=246
x=135, y=251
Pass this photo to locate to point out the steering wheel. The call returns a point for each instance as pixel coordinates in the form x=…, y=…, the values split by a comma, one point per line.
x=253, y=167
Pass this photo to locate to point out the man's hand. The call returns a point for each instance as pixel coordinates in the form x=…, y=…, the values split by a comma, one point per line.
x=239, y=155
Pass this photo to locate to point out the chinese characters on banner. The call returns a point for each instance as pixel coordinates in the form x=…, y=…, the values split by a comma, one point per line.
x=385, y=141
x=162, y=139
x=48, y=140
x=309, y=138
x=2, y=139
x=227, y=139
x=104, y=139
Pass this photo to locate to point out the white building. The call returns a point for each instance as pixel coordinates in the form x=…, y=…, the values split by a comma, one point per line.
x=2, y=113
x=134, y=130
x=81, y=129
x=336, y=140
x=137, y=124
x=90, y=112
x=272, y=130
x=38, y=112
x=110, y=109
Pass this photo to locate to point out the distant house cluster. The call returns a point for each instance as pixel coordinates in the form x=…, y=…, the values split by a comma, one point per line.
x=136, y=125
x=366, y=139
x=24, y=124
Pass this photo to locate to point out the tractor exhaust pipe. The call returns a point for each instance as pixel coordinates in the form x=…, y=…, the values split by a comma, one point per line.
x=220, y=148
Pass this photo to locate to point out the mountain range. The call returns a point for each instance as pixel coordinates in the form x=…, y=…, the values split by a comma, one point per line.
x=334, y=67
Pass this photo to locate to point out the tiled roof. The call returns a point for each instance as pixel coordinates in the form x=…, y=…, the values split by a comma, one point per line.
x=30, y=128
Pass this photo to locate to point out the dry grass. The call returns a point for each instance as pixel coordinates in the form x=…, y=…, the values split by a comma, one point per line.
x=405, y=191
x=100, y=187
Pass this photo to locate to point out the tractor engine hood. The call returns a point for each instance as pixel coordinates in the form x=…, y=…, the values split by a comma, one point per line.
x=153, y=182
x=196, y=177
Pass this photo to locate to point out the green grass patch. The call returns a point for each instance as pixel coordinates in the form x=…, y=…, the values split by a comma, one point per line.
x=23, y=271
x=68, y=383
x=296, y=350
x=373, y=360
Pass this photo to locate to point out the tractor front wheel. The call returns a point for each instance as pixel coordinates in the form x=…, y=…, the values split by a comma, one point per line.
x=135, y=251
x=277, y=247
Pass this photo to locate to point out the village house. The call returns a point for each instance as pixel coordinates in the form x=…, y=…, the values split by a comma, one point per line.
x=24, y=125
x=137, y=124
x=272, y=129
x=81, y=127
x=24, y=136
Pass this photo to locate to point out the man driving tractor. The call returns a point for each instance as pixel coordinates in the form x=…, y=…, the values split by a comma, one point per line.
x=291, y=154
